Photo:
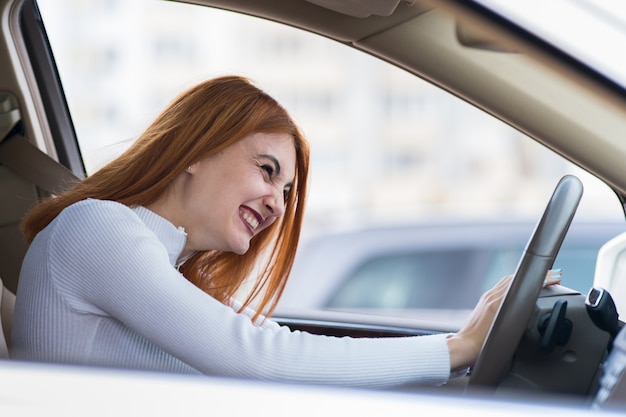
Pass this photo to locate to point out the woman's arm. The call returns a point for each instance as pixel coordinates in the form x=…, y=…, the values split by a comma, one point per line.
x=107, y=260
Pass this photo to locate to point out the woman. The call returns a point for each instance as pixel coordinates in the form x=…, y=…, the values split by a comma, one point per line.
x=136, y=266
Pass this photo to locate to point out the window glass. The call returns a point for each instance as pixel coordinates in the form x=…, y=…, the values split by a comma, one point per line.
x=423, y=280
x=578, y=261
x=414, y=281
x=387, y=147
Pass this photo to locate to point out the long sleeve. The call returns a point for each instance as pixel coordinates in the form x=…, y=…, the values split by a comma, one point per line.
x=99, y=287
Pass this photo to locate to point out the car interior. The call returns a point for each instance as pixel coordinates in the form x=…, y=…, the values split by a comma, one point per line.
x=552, y=341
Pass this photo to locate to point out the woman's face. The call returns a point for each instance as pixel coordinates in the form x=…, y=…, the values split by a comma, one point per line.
x=228, y=198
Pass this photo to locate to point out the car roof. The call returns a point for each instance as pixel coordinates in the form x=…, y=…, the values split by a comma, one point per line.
x=448, y=234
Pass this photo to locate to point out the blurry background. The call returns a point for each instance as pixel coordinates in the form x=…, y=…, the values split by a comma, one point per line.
x=386, y=146
x=388, y=150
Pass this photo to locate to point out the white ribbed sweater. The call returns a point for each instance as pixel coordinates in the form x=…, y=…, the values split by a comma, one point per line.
x=99, y=287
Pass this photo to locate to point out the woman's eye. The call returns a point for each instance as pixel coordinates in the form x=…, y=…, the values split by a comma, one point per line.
x=285, y=195
x=268, y=169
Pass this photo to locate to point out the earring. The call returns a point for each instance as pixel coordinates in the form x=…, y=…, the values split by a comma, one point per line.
x=189, y=168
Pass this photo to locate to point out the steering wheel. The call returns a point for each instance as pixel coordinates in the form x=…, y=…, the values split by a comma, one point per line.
x=517, y=307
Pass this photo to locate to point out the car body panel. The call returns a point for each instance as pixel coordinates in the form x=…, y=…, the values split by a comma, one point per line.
x=72, y=391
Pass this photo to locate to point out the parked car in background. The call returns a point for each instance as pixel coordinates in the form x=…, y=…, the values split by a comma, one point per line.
x=431, y=266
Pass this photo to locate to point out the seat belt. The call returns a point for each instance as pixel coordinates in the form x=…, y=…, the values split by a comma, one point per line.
x=24, y=158
x=30, y=163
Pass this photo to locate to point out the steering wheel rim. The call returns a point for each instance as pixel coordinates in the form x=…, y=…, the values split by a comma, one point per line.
x=517, y=307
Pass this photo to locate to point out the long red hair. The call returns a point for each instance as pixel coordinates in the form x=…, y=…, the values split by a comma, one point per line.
x=199, y=123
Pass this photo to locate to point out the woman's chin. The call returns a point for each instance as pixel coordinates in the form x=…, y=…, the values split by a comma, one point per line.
x=241, y=249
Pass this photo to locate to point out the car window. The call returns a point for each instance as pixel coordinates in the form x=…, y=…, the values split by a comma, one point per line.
x=411, y=281
x=423, y=280
x=388, y=148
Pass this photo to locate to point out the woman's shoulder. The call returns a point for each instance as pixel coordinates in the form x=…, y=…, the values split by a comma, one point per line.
x=97, y=226
x=96, y=214
x=99, y=208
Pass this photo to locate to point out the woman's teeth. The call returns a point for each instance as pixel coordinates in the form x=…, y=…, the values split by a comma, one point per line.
x=251, y=220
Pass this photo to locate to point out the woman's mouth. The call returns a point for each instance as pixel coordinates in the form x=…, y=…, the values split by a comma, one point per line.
x=250, y=217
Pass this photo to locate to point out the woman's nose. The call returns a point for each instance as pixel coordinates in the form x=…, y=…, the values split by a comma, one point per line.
x=275, y=204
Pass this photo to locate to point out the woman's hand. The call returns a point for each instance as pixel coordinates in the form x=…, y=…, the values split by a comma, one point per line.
x=465, y=346
x=553, y=277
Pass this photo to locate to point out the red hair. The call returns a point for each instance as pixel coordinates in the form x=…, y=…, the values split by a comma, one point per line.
x=199, y=123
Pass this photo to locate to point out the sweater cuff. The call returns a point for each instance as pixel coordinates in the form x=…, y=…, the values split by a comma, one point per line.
x=457, y=373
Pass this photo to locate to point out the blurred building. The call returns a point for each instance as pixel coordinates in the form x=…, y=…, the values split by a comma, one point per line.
x=384, y=144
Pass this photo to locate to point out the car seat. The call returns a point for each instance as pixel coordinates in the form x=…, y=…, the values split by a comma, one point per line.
x=7, y=304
